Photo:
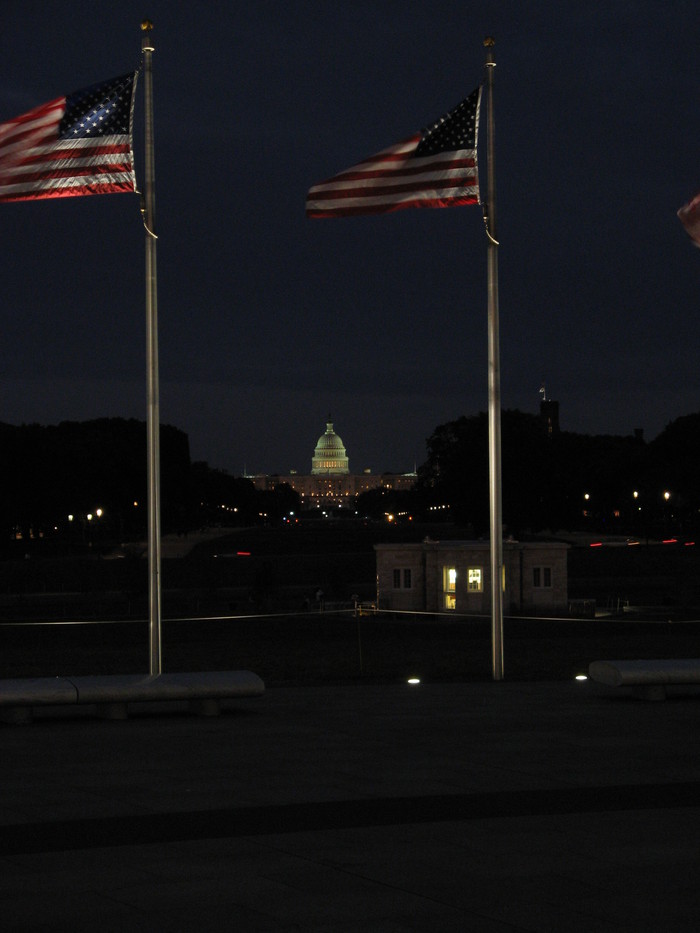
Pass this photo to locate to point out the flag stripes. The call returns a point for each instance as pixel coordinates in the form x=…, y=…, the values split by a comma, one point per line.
x=435, y=168
x=41, y=157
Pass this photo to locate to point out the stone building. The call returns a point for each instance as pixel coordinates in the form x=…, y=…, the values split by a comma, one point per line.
x=455, y=576
x=330, y=484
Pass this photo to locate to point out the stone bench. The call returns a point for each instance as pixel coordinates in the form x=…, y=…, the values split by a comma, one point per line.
x=111, y=693
x=648, y=679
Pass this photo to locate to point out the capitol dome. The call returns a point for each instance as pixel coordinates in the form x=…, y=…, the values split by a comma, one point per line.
x=329, y=455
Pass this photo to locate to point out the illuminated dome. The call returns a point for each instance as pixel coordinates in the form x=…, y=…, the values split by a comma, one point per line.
x=329, y=456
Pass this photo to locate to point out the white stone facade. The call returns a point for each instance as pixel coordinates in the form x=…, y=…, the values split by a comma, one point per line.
x=330, y=485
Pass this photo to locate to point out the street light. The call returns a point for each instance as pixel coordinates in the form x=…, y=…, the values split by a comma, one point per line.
x=586, y=500
x=667, y=497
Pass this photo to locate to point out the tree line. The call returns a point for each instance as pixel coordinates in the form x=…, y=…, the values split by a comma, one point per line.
x=562, y=481
x=84, y=483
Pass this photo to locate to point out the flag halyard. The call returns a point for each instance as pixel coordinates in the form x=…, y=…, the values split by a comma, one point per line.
x=434, y=168
x=80, y=144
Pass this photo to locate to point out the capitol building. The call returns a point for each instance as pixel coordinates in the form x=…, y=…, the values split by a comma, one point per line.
x=330, y=484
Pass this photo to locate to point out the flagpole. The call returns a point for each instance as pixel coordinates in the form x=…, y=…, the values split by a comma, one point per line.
x=494, y=380
x=153, y=419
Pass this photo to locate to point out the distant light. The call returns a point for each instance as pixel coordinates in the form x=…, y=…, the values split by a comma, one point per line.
x=689, y=544
x=413, y=680
x=581, y=677
x=670, y=541
x=596, y=544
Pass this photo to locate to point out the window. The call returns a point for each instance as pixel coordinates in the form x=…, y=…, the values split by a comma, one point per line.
x=542, y=577
x=475, y=580
x=403, y=573
x=449, y=587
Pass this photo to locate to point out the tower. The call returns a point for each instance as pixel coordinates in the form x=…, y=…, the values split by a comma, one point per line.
x=549, y=412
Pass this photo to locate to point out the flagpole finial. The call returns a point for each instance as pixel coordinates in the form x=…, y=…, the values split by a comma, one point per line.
x=489, y=43
x=146, y=44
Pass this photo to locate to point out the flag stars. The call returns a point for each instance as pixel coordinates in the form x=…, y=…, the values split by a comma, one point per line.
x=453, y=131
x=99, y=111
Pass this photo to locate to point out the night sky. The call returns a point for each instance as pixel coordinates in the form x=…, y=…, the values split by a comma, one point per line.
x=269, y=321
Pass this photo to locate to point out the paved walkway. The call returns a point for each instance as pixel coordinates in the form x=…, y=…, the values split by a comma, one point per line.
x=453, y=807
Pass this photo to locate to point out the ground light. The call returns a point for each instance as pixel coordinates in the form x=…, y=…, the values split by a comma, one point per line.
x=413, y=681
x=581, y=677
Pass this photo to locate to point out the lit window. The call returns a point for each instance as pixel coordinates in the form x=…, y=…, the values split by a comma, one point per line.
x=449, y=587
x=475, y=580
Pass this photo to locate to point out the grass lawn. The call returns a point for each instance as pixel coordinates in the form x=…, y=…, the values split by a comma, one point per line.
x=332, y=648
x=274, y=570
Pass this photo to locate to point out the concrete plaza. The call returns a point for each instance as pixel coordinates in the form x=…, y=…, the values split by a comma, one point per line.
x=442, y=807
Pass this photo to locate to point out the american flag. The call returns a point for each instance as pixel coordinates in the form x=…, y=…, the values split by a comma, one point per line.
x=689, y=216
x=434, y=168
x=74, y=145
